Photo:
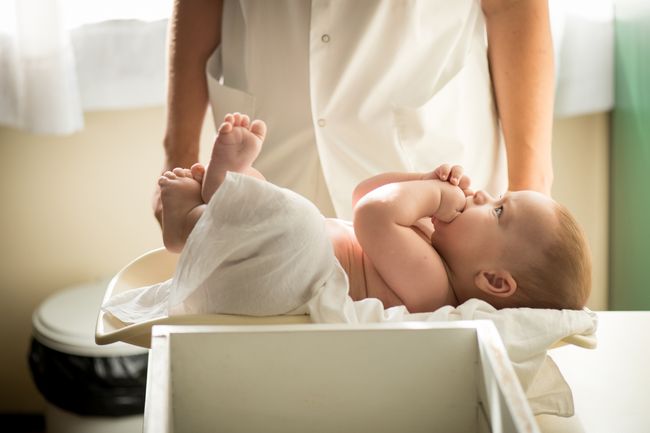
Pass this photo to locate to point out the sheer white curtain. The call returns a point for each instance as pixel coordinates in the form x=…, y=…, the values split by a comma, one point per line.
x=61, y=57
x=38, y=84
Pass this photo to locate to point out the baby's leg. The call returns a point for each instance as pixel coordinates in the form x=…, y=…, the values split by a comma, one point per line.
x=182, y=206
x=237, y=145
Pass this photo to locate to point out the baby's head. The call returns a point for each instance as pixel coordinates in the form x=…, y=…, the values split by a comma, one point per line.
x=520, y=250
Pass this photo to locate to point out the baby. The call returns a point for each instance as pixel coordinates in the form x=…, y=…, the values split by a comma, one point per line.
x=418, y=240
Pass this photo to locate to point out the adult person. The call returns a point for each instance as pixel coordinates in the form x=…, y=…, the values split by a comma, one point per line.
x=351, y=89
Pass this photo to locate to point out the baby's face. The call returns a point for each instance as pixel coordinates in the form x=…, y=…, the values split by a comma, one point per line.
x=489, y=227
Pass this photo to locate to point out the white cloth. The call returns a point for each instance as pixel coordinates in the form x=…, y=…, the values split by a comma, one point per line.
x=527, y=334
x=263, y=250
x=257, y=250
x=38, y=78
x=352, y=89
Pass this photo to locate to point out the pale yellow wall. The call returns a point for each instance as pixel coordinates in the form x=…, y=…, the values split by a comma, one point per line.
x=77, y=208
x=74, y=208
x=581, y=165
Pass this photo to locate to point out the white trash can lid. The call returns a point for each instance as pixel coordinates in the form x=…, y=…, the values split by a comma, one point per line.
x=65, y=322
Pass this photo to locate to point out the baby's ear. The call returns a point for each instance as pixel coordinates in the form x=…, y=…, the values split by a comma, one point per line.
x=497, y=283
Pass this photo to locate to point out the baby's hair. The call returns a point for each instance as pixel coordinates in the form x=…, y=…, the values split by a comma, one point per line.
x=561, y=278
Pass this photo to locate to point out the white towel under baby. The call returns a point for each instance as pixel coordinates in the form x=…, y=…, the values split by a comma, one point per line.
x=263, y=250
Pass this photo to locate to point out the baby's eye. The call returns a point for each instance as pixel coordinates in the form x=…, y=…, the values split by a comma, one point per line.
x=498, y=210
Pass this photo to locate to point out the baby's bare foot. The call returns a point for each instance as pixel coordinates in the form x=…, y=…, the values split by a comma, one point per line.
x=237, y=145
x=182, y=205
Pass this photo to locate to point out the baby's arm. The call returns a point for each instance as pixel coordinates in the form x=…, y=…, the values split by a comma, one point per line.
x=446, y=172
x=408, y=265
x=375, y=182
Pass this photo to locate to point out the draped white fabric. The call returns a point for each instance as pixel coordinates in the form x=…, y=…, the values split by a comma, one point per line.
x=59, y=58
x=39, y=86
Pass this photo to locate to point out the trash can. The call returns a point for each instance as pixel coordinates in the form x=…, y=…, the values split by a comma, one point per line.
x=88, y=388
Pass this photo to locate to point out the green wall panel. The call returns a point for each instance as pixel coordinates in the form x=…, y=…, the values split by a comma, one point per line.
x=630, y=160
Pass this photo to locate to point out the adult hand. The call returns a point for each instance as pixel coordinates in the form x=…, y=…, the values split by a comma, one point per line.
x=156, y=204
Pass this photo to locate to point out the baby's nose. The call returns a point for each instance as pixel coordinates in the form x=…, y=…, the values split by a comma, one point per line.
x=481, y=197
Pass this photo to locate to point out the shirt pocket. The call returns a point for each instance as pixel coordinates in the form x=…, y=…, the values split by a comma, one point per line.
x=225, y=99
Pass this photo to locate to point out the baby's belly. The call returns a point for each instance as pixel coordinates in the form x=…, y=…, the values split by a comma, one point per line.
x=364, y=280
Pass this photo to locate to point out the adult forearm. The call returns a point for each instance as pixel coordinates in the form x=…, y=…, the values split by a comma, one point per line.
x=195, y=32
x=521, y=63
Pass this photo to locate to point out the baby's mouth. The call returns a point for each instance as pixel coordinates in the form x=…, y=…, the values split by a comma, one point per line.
x=437, y=223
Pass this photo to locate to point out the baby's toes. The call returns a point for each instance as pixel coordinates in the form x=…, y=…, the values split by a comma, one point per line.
x=182, y=172
x=198, y=172
x=225, y=128
x=258, y=127
x=167, y=178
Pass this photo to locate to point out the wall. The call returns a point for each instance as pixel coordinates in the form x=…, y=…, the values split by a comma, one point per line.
x=581, y=165
x=630, y=158
x=77, y=208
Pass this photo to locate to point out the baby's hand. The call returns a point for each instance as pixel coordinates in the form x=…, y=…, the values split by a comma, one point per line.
x=452, y=202
x=452, y=174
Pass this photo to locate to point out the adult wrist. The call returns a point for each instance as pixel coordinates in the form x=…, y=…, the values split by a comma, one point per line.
x=180, y=154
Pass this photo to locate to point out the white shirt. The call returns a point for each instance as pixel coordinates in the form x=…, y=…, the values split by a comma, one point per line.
x=350, y=89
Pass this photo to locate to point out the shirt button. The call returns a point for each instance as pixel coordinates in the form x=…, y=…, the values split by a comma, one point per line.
x=325, y=38
x=321, y=122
